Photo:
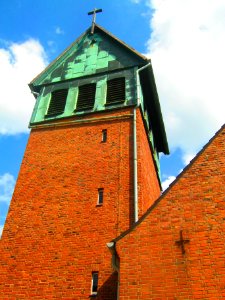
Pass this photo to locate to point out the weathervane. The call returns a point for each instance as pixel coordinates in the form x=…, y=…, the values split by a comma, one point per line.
x=94, y=12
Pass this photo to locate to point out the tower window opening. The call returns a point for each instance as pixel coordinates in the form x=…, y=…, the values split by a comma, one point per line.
x=94, y=283
x=104, y=135
x=100, y=196
x=86, y=96
x=57, y=102
x=115, y=91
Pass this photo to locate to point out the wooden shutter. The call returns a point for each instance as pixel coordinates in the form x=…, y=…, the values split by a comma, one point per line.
x=57, y=102
x=86, y=96
x=115, y=91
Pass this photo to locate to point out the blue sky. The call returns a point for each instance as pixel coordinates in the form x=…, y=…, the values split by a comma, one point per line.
x=185, y=40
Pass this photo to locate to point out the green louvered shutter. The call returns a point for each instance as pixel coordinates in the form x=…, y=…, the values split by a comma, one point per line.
x=86, y=96
x=57, y=102
x=115, y=91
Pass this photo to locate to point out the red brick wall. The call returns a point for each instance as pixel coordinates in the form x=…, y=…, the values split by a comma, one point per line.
x=148, y=183
x=152, y=265
x=55, y=235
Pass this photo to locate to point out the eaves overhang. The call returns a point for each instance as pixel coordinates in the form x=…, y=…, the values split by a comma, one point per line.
x=152, y=104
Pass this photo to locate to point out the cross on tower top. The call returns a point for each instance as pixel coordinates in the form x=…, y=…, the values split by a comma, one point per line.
x=94, y=12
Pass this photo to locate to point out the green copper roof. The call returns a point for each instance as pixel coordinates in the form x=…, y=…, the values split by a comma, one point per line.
x=89, y=54
x=100, y=54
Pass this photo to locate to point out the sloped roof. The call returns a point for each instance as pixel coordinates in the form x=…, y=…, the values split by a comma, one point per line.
x=189, y=166
x=142, y=60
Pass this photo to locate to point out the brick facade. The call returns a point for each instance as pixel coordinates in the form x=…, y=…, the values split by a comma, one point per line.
x=152, y=265
x=55, y=234
x=148, y=182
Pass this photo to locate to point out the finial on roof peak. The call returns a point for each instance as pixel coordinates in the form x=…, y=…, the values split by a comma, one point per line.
x=94, y=12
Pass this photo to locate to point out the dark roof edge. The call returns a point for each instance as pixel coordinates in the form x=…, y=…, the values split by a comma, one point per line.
x=123, y=234
x=122, y=43
x=164, y=147
x=58, y=57
x=101, y=29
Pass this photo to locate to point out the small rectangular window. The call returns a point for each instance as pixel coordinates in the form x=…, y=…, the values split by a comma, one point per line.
x=86, y=96
x=100, y=196
x=104, y=135
x=115, y=91
x=57, y=102
x=94, y=283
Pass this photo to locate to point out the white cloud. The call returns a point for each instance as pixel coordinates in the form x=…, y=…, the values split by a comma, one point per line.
x=187, y=47
x=20, y=63
x=7, y=183
x=187, y=157
x=1, y=229
x=167, y=182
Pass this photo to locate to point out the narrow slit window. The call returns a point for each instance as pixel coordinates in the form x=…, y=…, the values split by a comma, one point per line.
x=86, y=96
x=115, y=91
x=104, y=135
x=57, y=102
x=100, y=196
x=94, y=283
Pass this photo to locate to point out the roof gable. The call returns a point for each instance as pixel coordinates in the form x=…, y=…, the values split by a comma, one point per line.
x=209, y=159
x=182, y=233
x=88, y=55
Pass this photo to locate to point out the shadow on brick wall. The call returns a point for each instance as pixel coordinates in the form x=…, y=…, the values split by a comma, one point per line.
x=108, y=291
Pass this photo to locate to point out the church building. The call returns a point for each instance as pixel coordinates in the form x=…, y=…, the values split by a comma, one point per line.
x=87, y=218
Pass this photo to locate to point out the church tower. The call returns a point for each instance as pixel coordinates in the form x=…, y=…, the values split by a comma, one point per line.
x=90, y=171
